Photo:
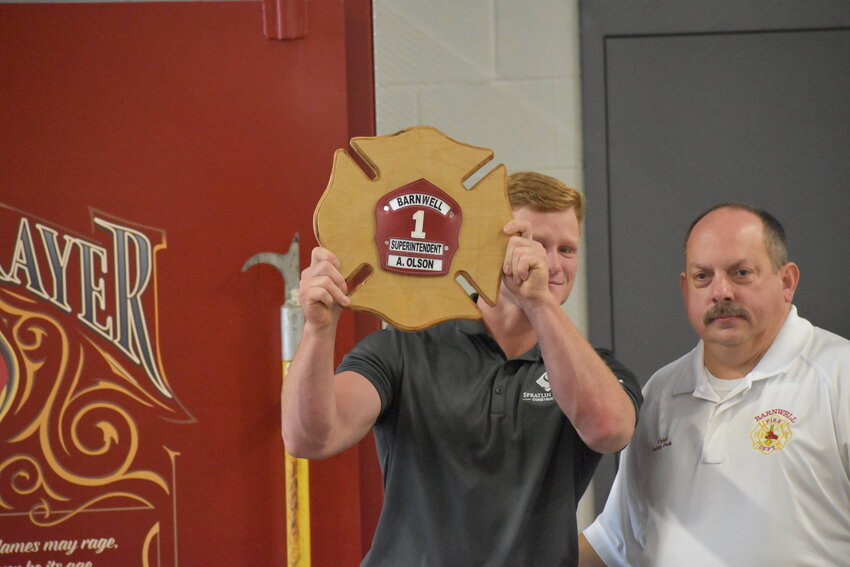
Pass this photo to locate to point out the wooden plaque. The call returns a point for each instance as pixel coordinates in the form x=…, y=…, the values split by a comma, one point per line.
x=415, y=227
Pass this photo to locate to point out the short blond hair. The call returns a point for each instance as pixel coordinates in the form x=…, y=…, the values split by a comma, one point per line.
x=543, y=193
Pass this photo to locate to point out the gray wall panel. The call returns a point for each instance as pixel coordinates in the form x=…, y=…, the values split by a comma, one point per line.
x=687, y=104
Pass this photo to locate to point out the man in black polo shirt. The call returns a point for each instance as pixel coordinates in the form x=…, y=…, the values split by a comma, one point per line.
x=488, y=431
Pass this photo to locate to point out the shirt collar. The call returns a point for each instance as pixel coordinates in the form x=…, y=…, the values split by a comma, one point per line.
x=786, y=347
x=471, y=327
x=476, y=327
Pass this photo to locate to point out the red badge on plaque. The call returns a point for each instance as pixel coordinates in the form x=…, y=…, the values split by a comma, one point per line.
x=416, y=229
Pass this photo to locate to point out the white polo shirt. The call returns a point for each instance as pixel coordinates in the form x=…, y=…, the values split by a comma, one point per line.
x=761, y=478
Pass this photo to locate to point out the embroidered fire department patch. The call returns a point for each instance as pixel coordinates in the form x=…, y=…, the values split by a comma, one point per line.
x=772, y=431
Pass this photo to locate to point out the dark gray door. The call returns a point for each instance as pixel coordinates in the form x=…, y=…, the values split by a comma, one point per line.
x=692, y=103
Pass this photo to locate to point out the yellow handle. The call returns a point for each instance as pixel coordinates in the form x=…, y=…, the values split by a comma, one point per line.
x=297, y=477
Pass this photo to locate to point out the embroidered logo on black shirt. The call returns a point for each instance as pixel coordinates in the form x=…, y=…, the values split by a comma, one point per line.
x=542, y=391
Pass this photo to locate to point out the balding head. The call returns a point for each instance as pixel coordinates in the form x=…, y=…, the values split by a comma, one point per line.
x=774, y=233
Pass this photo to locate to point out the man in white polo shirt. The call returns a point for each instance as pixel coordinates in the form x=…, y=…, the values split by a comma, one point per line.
x=742, y=451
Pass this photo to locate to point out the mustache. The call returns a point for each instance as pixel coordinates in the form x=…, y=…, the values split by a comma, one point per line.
x=725, y=310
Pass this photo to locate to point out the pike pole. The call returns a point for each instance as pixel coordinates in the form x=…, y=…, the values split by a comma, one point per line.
x=297, y=473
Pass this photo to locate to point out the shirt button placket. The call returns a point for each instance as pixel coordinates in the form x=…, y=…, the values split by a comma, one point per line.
x=497, y=399
x=713, y=446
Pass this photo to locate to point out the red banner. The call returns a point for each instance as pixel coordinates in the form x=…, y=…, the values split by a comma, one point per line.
x=150, y=149
x=82, y=388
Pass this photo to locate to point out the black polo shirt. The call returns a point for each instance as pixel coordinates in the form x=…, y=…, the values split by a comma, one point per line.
x=480, y=465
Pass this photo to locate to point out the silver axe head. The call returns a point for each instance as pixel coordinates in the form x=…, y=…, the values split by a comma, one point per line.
x=291, y=316
x=289, y=265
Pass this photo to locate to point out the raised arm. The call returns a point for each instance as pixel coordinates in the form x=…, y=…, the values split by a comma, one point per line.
x=586, y=390
x=323, y=413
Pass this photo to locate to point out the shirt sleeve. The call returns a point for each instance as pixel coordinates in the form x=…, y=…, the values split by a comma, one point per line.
x=625, y=376
x=841, y=417
x=378, y=359
x=617, y=535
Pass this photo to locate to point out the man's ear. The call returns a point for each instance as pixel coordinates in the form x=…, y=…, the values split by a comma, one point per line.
x=789, y=274
x=683, y=282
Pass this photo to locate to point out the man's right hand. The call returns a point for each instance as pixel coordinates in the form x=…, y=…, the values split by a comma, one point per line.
x=322, y=291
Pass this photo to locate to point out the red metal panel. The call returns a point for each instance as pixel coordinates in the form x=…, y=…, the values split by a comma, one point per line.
x=285, y=19
x=182, y=122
